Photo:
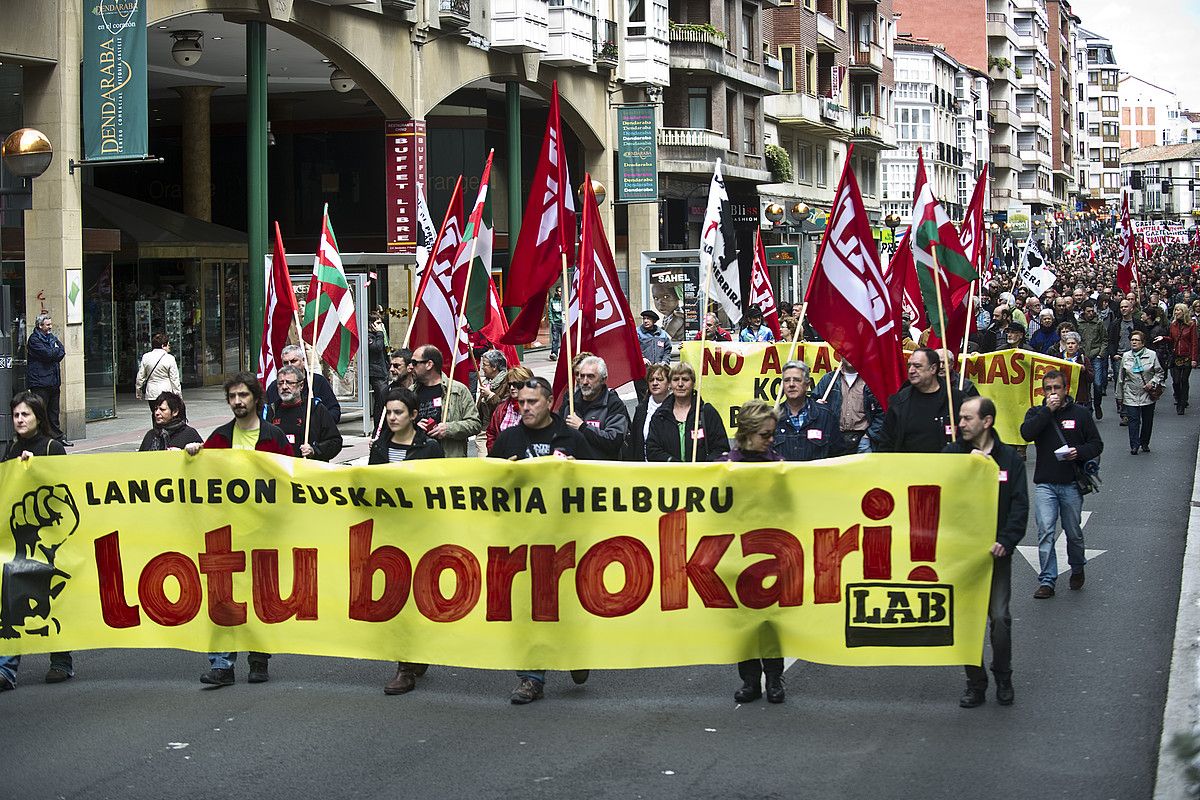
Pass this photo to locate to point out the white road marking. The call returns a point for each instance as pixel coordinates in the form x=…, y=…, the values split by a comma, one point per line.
x=1030, y=551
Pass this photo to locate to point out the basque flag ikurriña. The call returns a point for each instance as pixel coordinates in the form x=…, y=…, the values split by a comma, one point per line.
x=330, y=323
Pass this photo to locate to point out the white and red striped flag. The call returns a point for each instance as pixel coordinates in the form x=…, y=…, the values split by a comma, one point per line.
x=1126, y=271
x=761, y=294
x=435, y=320
x=330, y=323
x=282, y=309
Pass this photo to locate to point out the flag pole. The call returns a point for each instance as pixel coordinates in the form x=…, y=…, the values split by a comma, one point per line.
x=700, y=373
x=425, y=273
x=836, y=374
x=462, y=320
x=962, y=375
x=312, y=389
x=937, y=290
x=567, y=335
x=792, y=347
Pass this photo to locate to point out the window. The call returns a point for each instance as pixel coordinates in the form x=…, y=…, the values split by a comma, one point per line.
x=804, y=163
x=822, y=166
x=732, y=118
x=787, y=55
x=866, y=99
x=810, y=72
x=699, y=108
x=809, y=4
x=637, y=18
x=748, y=37
x=730, y=21
x=750, y=138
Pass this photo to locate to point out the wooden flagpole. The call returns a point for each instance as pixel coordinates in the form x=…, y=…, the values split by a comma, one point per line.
x=791, y=353
x=567, y=335
x=937, y=290
x=836, y=374
x=462, y=320
x=316, y=321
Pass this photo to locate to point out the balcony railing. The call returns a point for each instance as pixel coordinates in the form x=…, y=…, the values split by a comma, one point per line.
x=607, y=47
x=826, y=28
x=455, y=12
x=692, y=137
x=695, y=36
x=868, y=55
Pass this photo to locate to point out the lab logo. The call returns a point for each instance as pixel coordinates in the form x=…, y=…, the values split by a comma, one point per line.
x=40, y=522
x=899, y=615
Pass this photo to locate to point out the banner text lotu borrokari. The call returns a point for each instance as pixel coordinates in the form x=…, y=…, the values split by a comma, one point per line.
x=113, y=80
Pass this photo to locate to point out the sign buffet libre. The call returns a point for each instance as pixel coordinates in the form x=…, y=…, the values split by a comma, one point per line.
x=536, y=564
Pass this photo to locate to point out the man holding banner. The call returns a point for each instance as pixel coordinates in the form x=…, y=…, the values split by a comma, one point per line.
x=976, y=423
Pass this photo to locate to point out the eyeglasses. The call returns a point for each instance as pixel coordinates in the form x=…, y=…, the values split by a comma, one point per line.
x=290, y=383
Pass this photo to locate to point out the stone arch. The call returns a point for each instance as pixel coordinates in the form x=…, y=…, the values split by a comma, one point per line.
x=330, y=31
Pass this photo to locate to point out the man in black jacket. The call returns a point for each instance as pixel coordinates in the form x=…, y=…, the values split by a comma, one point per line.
x=1067, y=438
x=540, y=433
x=293, y=356
x=324, y=440
x=600, y=414
x=976, y=421
x=918, y=417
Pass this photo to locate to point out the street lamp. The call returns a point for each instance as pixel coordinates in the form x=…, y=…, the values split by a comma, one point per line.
x=893, y=222
x=597, y=189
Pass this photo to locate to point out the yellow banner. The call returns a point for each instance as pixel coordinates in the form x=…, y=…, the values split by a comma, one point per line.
x=735, y=372
x=538, y=564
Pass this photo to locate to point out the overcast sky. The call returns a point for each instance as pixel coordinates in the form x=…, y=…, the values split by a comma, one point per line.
x=1156, y=40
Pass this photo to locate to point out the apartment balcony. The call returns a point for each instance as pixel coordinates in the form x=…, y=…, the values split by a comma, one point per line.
x=647, y=61
x=693, y=141
x=810, y=114
x=693, y=151
x=1030, y=157
x=1001, y=112
x=399, y=5
x=519, y=26
x=1043, y=196
x=1034, y=119
x=826, y=33
x=454, y=13
x=1031, y=80
x=998, y=27
x=872, y=131
x=868, y=58
x=693, y=49
x=1110, y=138
x=1110, y=113
x=572, y=34
x=1002, y=158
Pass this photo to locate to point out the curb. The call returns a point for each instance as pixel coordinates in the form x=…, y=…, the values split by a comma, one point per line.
x=1181, y=714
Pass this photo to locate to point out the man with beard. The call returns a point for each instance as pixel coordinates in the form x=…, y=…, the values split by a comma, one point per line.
x=540, y=433
x=600, y=415
x=293, y=356
x=246, y=431
x=324, y=441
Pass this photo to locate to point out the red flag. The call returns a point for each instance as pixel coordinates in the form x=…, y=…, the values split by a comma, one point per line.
x=972, y=231
x=609, y=327
x=282, y=309
x=760, y=287
x=848, y=299
x=903, y=287
x=435, y=315
x=1126, y=277
x=547, y=232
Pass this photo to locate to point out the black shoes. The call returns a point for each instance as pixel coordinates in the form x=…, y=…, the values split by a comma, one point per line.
x=748, y=693
x=57, y=675
x=1004, y=691
x=580, y=676
x=405, y=681
x=218, y=677
x=526, y=692
x=1044, y=592
x=973, y=697
x=258, y=671
x=1099, y=413
x=1133, y=451
x=1145, y=448
x=1077, y=580
x=775, y=693
x=6, y=685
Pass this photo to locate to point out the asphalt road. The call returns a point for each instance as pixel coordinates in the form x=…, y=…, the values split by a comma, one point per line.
x=1090, y=674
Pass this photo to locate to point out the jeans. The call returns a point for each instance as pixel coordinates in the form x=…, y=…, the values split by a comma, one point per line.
x=1180, y=376
x=227, y=660
x=1141, y=425
x=1000, y=623
x=9, y=665
x=1050, y=502
x=538, y=675
x=556, y=330
x=1099, y=376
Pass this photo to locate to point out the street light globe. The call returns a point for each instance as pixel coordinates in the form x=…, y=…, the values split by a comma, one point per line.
x=774, y=213
x=597, y=189
x=27, y=153
x=801, y=210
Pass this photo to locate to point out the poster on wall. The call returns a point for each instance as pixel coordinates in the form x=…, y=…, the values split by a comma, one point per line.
x=405, y=158
x=674, y=294
x=113, y=80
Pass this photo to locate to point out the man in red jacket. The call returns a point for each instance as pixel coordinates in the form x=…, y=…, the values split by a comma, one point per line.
x=246, y=431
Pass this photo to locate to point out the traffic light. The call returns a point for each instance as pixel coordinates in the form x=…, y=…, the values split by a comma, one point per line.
x=1166, y=187
x=1135, y=179
x=1191, y=185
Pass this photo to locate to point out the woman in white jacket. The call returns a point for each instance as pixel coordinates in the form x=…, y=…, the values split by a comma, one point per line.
x=1139, y=385
x=157, y=372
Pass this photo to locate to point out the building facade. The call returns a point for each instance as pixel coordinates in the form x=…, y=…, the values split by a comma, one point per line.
x=1150, y=114
x=1175, y=168
x=1063, y=40
x=1099, y=117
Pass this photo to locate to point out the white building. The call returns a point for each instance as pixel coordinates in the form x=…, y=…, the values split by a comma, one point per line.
x=1150, y=114
x=1099, y=121
x=1156, y=163
x=1031, y=67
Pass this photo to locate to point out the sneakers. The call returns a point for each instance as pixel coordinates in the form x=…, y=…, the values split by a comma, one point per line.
x=218, y=677
x=1077, y=580
x=553, y=357
x=1044, y=592
x=405, y=680
x=580, y=676
x=57, y=675
x=973, y=697
x=526, y=692
x=258, y=671
x=748, y=693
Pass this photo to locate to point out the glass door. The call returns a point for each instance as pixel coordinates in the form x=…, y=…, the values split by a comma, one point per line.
x=99, y=337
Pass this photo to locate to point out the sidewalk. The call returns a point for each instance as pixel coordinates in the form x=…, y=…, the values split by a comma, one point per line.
x=207, y=409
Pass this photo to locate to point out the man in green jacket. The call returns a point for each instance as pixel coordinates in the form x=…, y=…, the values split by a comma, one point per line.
x=1095, y=343
x=447, y=411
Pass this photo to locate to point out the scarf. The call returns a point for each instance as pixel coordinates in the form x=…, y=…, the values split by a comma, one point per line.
x=512, y=415
x=1137, y=361
x=164, y=433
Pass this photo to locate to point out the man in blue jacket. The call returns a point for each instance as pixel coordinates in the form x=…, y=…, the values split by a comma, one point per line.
x=807, y=430
x=42, y=375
